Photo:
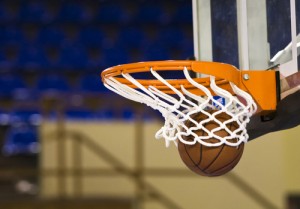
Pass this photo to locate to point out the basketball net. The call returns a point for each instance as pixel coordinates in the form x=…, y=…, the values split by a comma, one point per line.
x=178, y=107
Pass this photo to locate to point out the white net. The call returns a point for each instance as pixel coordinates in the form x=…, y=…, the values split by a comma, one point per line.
x=191, y=118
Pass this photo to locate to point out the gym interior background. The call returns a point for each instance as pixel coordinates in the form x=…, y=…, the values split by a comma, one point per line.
x=66, y=141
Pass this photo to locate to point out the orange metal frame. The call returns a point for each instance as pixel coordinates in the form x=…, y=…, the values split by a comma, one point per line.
x=260, y=84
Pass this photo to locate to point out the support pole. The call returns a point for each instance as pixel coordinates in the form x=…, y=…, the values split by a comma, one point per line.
x=202, y=30
x=242, y=34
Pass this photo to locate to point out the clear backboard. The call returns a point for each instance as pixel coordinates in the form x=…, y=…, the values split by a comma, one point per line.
x=249, y=34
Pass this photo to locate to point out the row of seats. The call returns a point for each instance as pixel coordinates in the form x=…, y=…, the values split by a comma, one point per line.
x=30, y=41
x=33, y=116
x=79, y=59
x=91, y=48
x=78, y=35
x=22, y=137
x=98, y=11
x=11, y=85
x=84, y=83
x=93, y=36
x=21, y=140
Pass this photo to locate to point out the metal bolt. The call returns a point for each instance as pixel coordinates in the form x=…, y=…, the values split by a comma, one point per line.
x=246, y=77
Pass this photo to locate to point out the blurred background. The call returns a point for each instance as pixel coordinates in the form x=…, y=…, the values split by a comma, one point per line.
x=51, y=57
x=67, y=142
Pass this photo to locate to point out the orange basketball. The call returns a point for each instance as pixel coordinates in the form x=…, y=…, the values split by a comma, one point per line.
x=210, y=161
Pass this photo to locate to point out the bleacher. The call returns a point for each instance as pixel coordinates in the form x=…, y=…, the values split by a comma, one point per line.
x=55, y=50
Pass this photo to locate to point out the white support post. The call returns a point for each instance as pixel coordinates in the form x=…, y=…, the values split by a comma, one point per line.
x=202, y=30
x=243, y=41
x=253, y=35
x=294, y=68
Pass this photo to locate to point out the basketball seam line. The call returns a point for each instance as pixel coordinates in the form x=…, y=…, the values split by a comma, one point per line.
x=200, y=153
x=232, y=162
x=214, y=160
x=197, y=165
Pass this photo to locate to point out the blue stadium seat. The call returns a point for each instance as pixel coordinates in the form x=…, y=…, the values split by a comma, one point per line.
x=5, y=15
x=170, y=37
x=92, y=84
x=32, y=58
x=183, y=14
x=3, y=60
x=151, y=114
x=51, y=36
x=73, y=58
x=79, y=114
x=35, y=12
x=95, y=61
x=52, y=83
x=111, y=13
x=29, y=116
x=5, y=118
x=11, y=35
x=186, y=49
x=2, y=34
x=149, y=14
x=132, y=37
x=115, y=56
x=127, y=113
x=105, y=113
x=108, y=113
x=155, y=52
x=10, y=84
x=91, y=37
x=9, y=58
x=21, y=140
x=73, y=12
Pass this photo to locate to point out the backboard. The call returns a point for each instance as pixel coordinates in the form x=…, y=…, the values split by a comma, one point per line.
x=249, y=34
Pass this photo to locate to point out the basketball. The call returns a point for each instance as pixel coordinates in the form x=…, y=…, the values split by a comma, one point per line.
x=210, y=161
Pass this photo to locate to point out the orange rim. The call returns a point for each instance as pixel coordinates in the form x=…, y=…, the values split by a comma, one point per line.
x=224, y=74
x=261, y=85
